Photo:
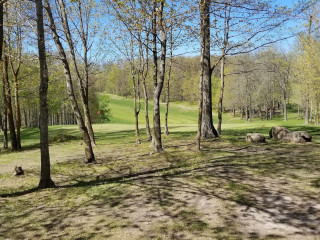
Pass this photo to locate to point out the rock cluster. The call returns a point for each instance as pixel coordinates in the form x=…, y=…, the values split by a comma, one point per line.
x=284, y=135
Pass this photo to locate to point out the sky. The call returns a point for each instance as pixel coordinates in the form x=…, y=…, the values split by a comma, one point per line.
x=286, y=45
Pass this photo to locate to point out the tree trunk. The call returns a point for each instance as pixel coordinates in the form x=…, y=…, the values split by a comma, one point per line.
x=247, y=113
x=4, y=123
x=89, y=155
x=146, y=108
x=285, y=106
x=145, y=68
x=207, y=128
x=306, y=115
x=87, y=120
x=83, y=84
x=166, y=131
x=316, y=114
x=45, y=179
x=18, y=111
x=221, y=95
x=158, y=85
x=311, y=112
x=14, y=145
x=25, y=118
x=5, y=129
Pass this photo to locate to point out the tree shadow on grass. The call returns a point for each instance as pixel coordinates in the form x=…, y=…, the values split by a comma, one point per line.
x=255, y=184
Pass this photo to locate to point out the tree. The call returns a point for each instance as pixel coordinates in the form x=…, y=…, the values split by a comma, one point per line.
x=8, y=103
x=158, y=24
x=45, y=179
x=207, y=129
x=15, y=39
x=89, y=155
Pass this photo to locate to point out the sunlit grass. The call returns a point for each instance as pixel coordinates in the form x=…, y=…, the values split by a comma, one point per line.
x=133, y=193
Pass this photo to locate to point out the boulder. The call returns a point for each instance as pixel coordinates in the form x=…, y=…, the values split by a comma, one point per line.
x=278, y=132
x=297, y=137
x=255, y=138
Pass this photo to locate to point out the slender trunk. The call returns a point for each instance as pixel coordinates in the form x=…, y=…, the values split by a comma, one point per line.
x=83, y=85
x=247, y=113
x=316, y=114
x=221, y=95
x=25, y=118
x=89, y=155
x=306, y=116
x=18, y=111
x=260, y=114
x=227, y=10
x=158, y=85
x=136, y=88
x=200, y=103
x=45, y=179
x=168, y=96
x=5, y=128
x=136, y=109
x=145, y=68
x=87, y=120
x=14, y=145
x=166, y=131
x=207, y=128
x=233, y=112
x=4, y=124
x=311, y=112
x=285, y=106
x=146, y=108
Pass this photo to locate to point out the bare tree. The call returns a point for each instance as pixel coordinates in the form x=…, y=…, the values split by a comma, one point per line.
x=89, y=155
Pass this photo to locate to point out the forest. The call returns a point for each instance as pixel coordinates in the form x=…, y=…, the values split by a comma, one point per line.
x=160, y=119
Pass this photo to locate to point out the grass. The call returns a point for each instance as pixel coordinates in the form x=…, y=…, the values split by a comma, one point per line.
x=231, y=190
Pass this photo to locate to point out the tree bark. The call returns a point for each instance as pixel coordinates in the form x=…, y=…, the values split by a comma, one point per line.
x=5, y=126
x=4, y=123
x=307, y=114
x=220, y=105
x=166, y=131
x=158, y=85
x=284, y=106
x=207, y=128
x=13, y=136
x=45, y=179
x=145, y=68
x=18, y=111
x=316, y=114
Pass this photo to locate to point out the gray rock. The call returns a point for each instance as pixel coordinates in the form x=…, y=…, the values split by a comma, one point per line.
x=278, y=132
x=297, y=137
x=255, y=138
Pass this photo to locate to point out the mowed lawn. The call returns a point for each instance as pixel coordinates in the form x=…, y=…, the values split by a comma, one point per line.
x=231, y=190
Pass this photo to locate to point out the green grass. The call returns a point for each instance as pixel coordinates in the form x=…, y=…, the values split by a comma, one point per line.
x=231, y=190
